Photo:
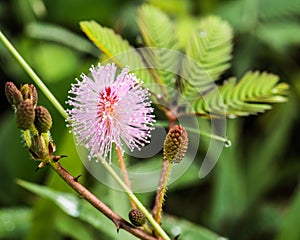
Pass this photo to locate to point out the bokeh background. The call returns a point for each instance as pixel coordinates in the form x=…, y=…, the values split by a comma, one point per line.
x=252, y=193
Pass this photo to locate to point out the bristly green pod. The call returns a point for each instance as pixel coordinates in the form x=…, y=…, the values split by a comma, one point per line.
x=176, y=144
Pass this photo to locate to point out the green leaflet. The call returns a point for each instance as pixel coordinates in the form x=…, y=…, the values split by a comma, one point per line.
x=208, y=51
x=244, y=97
x=158, y=35
x=116, y=49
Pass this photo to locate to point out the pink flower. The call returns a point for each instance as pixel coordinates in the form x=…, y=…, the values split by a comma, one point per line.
x=108, y=110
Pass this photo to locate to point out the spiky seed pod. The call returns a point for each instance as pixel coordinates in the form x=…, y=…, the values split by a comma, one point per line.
x=137, y=217
x=25, y=114
x=43, y=120
x=13, y=94
x=33, y=94
x=175, y=144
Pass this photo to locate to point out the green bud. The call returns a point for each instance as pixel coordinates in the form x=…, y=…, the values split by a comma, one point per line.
x=33, y=94
x=43, y=120
x=137, y=217
x=38, y=147
x=30, y=92
x=25, y=91
x=175, y=144
x=13, y=94
x=25, y=114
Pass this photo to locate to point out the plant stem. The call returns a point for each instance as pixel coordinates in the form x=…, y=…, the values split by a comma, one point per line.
x=125, y=174
x=33, y=75
x=91, y=198
x=161, y=191
x=137, y=202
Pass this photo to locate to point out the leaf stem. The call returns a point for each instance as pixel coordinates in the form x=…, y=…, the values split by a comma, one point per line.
x=33, y=75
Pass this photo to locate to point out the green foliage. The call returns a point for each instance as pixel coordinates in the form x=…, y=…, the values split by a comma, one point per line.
x=251, y=194
x=210, y=45
x=158, y=33
x=243, y=97
x=14, y=222
x=208, y=52
x=80, y=209
x=115, y=48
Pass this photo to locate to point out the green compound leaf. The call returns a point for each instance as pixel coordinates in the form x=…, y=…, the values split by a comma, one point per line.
x=252, y=94
x=208, y=51
x=116, y=49
x=158, y=35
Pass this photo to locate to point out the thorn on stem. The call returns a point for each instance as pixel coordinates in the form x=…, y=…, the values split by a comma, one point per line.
x=117, y=226
x=42, y=164
x=57, y=158
x=76, y=178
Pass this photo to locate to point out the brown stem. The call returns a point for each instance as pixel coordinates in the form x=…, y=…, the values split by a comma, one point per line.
x=120, y=222
x=124, y=173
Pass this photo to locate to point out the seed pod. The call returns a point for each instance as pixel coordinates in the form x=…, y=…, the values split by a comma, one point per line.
x=25, y=114
x=13, y=94
x=175, y=144
x=43, y=120
x=137, y=217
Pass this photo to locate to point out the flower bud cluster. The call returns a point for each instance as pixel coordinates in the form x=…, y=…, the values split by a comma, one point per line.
x=35, y=121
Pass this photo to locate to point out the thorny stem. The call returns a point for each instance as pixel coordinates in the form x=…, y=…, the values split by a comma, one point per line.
x=120, y=222
x=124, y=173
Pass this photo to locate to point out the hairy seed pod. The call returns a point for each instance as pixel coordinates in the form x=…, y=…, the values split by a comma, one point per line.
x=25, y=114
x=137, y=217
x=43, y=120
x=13, y=94
x=175, y=145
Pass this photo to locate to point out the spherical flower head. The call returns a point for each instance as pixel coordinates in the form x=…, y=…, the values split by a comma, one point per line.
x=108, y=110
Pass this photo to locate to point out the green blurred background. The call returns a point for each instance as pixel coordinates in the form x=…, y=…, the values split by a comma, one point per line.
x=252, y=193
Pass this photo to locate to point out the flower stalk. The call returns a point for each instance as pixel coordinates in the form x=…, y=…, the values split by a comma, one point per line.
x=175, y=147
x=124, y=173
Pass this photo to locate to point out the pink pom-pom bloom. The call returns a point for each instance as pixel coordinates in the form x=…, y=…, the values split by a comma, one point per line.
x=108, y=110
